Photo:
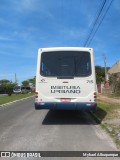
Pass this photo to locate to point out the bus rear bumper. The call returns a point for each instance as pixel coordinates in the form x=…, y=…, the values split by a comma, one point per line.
x=66, y=105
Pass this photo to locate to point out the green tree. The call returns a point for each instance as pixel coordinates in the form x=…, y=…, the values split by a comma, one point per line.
x=4, y=81
x=7, y=86
x=117, y=91
x=115, y=84
x=25, y=83
x=32, y=81
x=100, y=74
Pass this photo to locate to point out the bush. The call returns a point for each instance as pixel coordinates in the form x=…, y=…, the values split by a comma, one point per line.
x=6, y=87
x=115, y=84
x=117, y=90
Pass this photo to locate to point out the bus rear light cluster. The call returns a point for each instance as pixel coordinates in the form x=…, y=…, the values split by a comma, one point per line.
x=95, y=95
x=36, y=94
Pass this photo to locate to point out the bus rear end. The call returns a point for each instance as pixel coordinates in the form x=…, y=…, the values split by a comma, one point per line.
x=65, y=79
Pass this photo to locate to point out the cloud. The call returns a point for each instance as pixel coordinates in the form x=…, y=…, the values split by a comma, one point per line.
x=74, y=33
x=23, y=5
x=28, y=4
x=3, y=38
x=37, y=6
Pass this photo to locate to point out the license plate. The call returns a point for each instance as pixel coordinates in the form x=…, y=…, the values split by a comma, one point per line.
x=65, y=99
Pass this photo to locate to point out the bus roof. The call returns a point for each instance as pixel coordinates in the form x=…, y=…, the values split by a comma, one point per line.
x=65, y=48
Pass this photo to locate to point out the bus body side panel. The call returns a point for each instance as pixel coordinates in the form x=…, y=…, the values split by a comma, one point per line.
x=67, y=94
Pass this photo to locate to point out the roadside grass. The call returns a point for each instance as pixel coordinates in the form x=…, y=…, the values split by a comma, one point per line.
x=13, y=97
x=112, y=95
x=108, y=115
x=107, y=111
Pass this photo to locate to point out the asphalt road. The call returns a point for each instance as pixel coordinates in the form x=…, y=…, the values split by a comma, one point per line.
x=22, y=128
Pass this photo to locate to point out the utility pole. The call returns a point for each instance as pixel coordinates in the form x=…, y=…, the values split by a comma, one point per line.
x=106, y=78
x=106, y=75
x=15, y=78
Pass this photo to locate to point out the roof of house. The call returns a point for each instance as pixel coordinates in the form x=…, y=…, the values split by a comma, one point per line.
x=115, y=68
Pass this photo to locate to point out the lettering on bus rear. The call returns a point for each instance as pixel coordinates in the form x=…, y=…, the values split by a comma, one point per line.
x=65, y=89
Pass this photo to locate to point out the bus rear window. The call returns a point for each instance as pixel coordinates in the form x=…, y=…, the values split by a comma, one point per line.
x=65, y=64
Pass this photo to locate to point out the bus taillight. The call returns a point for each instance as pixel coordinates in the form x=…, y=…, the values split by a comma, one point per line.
x=36, y=94
x=95, y=95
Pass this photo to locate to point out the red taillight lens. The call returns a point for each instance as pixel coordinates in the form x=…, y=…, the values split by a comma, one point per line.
x=36, y=94
x=95, y=95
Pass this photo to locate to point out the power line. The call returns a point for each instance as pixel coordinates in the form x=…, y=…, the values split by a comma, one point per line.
x=95, y=21
x=99, y=21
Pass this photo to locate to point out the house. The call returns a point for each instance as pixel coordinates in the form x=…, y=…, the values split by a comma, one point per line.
x=115, y=69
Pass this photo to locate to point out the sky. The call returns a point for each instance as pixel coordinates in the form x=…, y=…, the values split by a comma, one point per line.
x=26, y=25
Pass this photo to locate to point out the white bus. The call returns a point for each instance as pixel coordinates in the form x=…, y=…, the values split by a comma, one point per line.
x=22, y=89
x=65, y=79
